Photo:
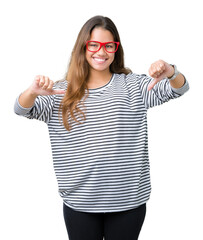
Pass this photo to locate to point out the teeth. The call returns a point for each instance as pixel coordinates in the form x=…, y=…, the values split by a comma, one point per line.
x=99, y=59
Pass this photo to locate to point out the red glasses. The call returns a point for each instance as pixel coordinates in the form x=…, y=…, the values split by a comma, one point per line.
x=94, y=46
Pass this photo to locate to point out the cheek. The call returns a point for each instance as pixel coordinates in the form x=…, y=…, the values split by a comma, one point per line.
x=112, y=57
x=87, y=56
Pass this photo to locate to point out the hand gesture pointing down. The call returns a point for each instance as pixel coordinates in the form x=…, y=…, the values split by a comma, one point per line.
x=159, y=70
x=42, y=85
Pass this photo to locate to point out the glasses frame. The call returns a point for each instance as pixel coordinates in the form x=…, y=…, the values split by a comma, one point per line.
x=103, y=44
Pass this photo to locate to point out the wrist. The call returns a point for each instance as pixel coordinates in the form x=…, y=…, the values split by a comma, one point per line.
x=172, y=72
x=175, y=73
x=32, y=93
x=27, y=99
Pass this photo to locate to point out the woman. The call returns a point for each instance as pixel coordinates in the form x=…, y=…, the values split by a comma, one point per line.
x=97, y=121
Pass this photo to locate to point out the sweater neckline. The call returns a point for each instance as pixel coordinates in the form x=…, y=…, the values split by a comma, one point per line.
x=93, y=90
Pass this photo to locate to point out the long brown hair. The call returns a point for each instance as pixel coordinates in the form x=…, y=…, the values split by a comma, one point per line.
x=78, y=70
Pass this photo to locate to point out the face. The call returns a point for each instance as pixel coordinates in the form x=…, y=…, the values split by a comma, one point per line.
x=101, y=60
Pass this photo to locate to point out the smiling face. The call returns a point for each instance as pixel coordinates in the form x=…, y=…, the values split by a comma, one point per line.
x=101, y=60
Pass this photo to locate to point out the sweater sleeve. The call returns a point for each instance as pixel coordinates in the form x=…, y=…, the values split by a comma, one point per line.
x=162, y=92
x=41, y=110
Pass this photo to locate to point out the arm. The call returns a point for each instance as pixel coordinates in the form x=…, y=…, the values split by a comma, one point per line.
x=158, y=88
x=38, y=100
x=41, y=86
x=178, y=82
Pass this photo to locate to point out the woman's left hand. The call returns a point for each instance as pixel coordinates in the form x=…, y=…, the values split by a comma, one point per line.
x=160, y=70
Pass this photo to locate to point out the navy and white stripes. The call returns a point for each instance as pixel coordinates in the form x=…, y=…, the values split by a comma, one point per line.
x=102, y=165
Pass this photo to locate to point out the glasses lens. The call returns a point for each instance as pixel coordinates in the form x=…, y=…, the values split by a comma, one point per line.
x=93, y=46
x=111, y=47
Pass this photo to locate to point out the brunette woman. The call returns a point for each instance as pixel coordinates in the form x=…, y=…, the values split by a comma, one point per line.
x=97, y=121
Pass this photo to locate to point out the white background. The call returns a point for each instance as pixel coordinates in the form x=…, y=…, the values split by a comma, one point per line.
x=37, y=37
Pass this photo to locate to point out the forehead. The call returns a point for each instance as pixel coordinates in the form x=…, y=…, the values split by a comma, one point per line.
x=101, y=35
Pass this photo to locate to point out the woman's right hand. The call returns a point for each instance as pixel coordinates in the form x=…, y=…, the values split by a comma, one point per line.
x=42, y=85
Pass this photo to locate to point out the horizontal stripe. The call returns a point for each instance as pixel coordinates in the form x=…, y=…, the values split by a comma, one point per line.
x=102, y=164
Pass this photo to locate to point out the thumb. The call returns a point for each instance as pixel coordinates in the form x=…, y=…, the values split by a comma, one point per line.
x=154, y=82
x=57, y=91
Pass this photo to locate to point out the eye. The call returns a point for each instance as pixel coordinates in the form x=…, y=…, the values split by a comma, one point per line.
x=93, y=45
x=110, y=45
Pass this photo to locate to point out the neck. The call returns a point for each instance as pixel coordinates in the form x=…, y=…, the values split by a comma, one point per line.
x=98, y=79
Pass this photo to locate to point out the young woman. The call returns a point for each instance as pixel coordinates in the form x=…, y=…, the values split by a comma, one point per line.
x=97, y=121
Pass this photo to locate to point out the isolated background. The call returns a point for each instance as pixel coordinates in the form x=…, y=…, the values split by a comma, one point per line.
x=37, y=37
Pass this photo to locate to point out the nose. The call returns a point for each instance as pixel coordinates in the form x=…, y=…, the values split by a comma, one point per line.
x=102, y=51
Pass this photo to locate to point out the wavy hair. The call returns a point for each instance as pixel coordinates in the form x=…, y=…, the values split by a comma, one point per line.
x=78, y=71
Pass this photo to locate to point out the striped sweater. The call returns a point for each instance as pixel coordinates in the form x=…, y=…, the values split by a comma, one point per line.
x=102, y=165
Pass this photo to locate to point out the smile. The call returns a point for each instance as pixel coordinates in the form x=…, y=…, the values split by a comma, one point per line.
x=99, y=60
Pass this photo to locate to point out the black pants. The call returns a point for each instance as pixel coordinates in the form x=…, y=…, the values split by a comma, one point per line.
x=125, y=225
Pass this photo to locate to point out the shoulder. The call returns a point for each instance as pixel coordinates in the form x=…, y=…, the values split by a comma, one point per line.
x=131, y=75
x=131, y=78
